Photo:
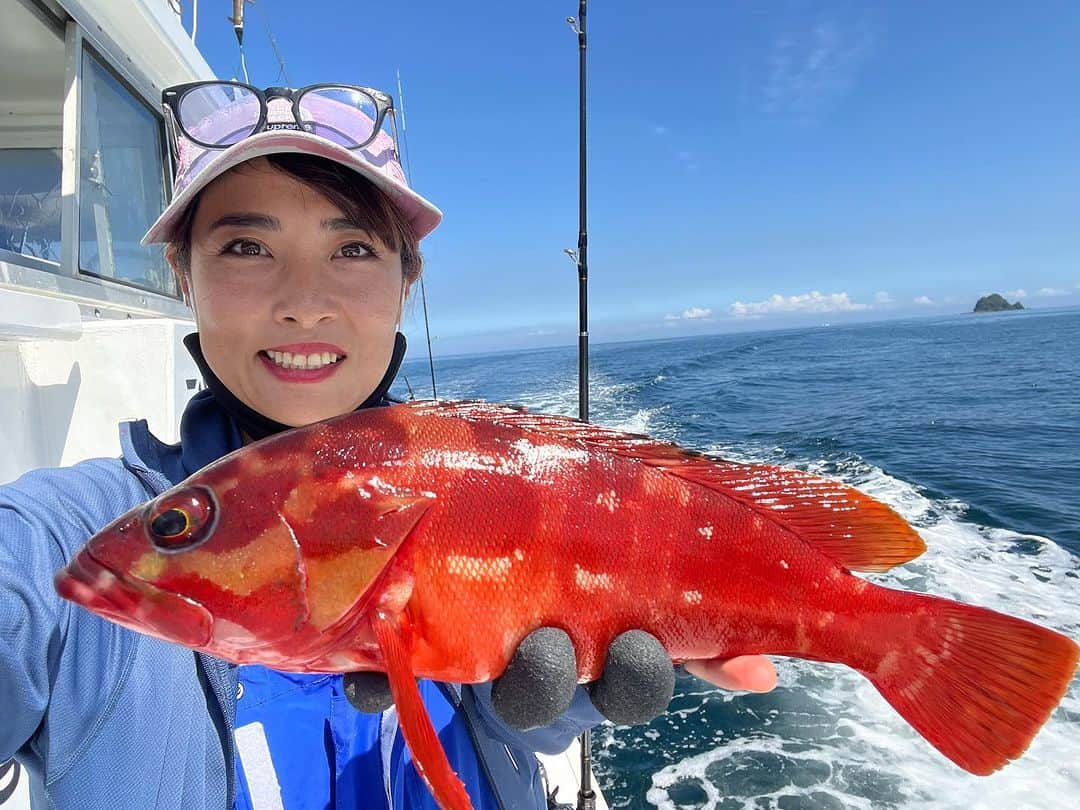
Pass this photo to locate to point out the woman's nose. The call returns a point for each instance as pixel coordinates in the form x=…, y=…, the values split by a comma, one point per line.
x=302, y=300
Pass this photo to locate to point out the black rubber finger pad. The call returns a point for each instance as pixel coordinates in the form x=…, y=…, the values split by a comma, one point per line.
x=638, y=680
x=539, y=682
x=368, y=692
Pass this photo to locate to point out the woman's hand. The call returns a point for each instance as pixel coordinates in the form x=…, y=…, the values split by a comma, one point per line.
x=636, y=684
x=540, y=681
x=746, y=673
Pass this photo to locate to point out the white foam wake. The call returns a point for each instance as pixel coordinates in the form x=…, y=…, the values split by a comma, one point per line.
x=608, y=401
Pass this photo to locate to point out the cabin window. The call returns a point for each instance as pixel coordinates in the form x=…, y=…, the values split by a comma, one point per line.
x=121, y=183
x=31, y=131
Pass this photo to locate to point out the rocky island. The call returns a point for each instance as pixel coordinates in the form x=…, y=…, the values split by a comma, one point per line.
x=995, y=303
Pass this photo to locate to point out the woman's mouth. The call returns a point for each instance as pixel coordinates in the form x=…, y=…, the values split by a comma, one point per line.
x=303, y=362
x=289, y=360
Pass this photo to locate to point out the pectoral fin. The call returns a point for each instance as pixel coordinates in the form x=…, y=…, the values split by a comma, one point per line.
x=392, y=632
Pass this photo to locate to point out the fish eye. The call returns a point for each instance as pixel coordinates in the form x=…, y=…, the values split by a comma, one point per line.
x=171, y=523
x=181, y=520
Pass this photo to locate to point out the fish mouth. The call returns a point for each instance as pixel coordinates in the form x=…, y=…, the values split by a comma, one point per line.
x=136, y=605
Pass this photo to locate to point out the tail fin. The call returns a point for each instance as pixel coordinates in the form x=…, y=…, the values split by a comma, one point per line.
x=976, y=684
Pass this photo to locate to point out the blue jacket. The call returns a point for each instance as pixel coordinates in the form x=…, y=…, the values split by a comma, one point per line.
x=102, y=717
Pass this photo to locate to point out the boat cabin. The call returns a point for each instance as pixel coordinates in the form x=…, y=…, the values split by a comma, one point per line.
x=90, y=320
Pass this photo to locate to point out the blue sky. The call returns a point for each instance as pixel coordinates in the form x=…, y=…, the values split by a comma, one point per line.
x=753, y=165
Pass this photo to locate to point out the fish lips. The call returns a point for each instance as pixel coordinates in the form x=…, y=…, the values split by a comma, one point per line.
x=132, y=603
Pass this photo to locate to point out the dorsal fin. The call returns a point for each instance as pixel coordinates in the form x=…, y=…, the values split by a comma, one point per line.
x=854, y=529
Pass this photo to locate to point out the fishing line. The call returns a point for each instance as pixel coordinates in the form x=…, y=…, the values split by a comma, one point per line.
x=408, y=176
x=282, y=70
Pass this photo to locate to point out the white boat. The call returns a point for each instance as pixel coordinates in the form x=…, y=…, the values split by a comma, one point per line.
x=90, y=322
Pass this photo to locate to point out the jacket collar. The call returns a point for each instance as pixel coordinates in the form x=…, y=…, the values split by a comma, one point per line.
x=206, y=434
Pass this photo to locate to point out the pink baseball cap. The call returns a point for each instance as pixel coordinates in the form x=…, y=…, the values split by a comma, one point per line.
x=197, y=166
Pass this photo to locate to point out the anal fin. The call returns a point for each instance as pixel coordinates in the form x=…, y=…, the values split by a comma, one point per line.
x=392, y=632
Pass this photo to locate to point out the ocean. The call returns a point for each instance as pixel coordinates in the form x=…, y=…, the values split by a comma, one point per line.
x=968, y=426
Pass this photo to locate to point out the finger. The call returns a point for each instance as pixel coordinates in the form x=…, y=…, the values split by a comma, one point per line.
x=745, y=673
x=637, y=681
x=368, y=692
x=539, y=682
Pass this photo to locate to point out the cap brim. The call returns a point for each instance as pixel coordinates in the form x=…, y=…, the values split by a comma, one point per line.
x=420, y=214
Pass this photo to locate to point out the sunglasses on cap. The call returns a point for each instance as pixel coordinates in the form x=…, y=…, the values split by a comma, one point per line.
x=217, y=114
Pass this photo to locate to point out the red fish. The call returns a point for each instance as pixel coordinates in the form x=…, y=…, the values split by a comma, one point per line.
x=428, y=539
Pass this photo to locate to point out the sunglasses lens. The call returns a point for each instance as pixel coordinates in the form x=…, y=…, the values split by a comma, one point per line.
x=343, y=115
x=219, y=114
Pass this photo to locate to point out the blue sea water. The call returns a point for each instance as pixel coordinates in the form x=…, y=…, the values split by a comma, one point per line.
x=969, y=426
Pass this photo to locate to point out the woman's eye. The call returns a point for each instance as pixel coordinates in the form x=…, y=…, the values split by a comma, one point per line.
x=244, y=247
x=356, y=250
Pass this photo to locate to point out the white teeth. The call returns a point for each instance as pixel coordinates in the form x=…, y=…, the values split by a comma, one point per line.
x=302, y=361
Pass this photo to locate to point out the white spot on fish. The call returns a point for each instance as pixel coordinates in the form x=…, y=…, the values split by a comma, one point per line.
x=519, y=554
x=784, y=565
x=396, y=595
x=384, y=487
x=692, y=597
x=706, y=531
x=590, y=581
x=890, y=663
x=460, y=460
x=478, y=568
x=609, y=500
x=529, y=461
x=825, y=619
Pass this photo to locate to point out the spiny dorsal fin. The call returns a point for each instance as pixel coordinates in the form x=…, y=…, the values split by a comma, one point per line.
x=854, y=529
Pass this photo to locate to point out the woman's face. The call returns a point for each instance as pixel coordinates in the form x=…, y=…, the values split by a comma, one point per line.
x=296, y=306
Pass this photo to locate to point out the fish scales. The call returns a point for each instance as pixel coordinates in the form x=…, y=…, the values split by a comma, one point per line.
x=593, y=564
x=429, y=539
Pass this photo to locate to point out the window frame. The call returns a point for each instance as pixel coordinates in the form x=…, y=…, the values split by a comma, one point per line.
x=88, y=49
x=65, y=279
x=48, y=19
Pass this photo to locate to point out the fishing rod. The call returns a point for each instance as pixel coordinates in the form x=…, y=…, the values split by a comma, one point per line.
x=237, y=19
x=581, y=255
x=586, y=796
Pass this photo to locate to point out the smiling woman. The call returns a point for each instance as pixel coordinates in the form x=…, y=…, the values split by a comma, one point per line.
x=297, y=271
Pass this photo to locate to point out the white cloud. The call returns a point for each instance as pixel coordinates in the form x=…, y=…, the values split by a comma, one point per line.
x=691, y=314
x=1050, y=292
x=924, y=301
x=814, y=64
x=1021, y=293
x=813, y=301
x=882, y=298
